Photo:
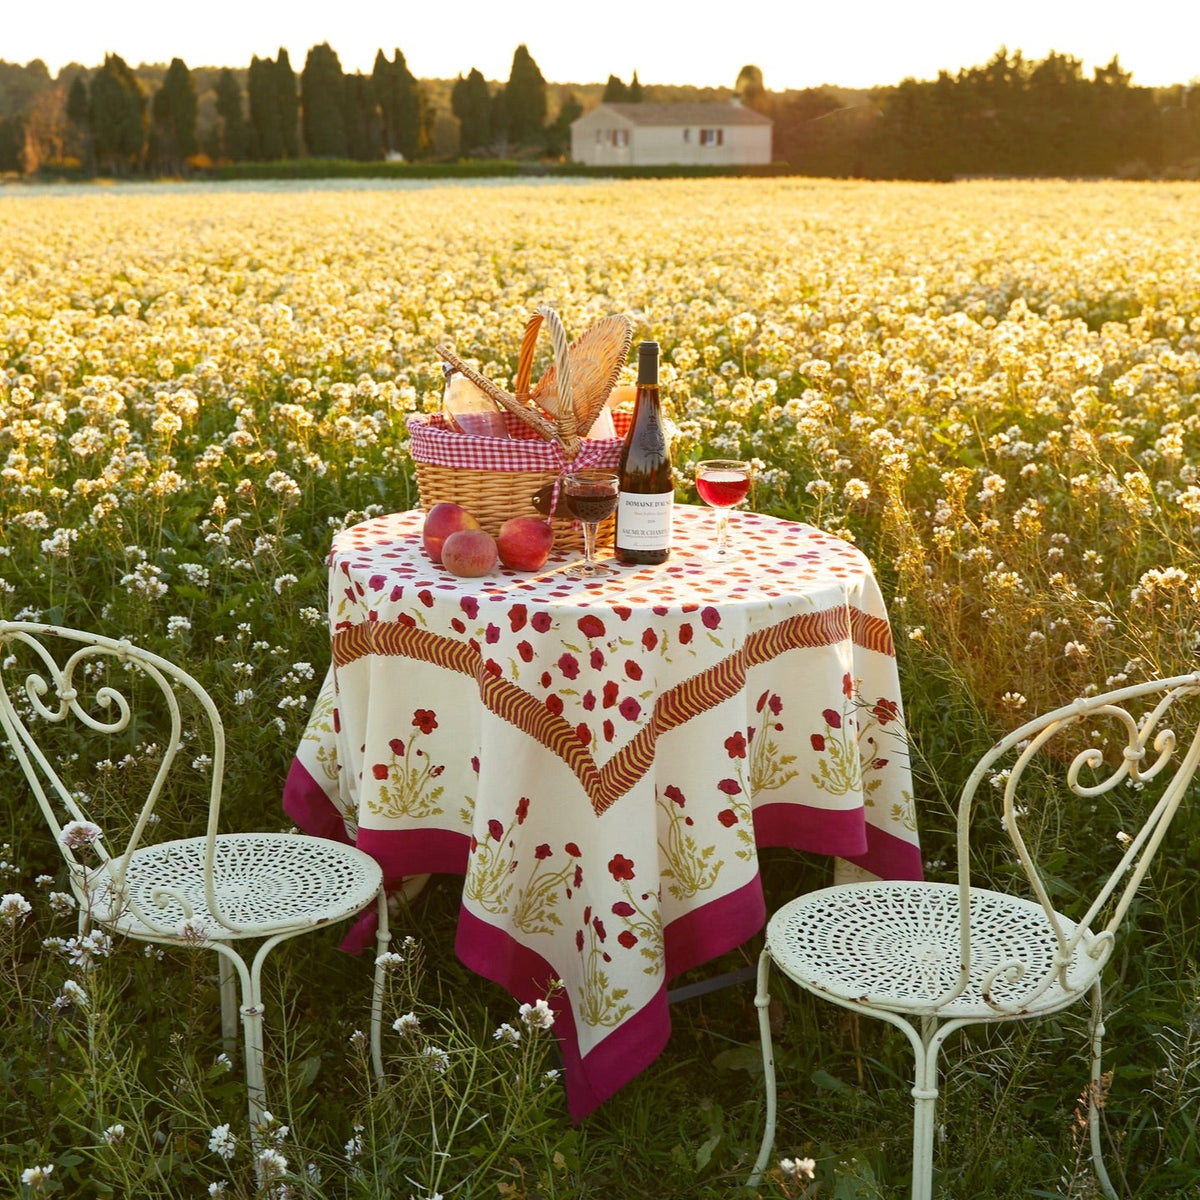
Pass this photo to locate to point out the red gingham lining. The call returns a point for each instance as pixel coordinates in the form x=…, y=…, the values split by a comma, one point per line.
x=432, y=442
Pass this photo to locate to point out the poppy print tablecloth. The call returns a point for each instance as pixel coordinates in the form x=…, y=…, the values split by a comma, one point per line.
x=600, y=761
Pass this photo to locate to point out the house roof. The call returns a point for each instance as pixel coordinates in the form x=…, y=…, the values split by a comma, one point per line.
x=686, y=113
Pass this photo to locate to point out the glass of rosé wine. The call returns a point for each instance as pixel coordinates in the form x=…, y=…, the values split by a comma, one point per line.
x=591, y=497
x=722, y=483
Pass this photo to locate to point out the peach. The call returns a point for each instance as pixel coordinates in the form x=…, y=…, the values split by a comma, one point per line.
x=443, y=519
x=469, y=552
x=524, y=543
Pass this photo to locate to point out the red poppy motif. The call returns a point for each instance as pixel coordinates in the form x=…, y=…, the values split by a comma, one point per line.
x=517, y=617
x=397, y=747
x=597, y=659
x=425, y=720
x=495, y=829
x=589, y=700
x=735, y=745
x=493, y=668
x=591, y=626
x=491, y=635
x=730, y=787
x=380, y=771
x=554, y=704
x=522, y=809
x=541, y=620
x=885, y=710
x=610, y=731
x=598, y=926
x=711, y=617
x=629, y=708
x=685, y=634
x=470, y=606
x=622, y=612
x=568, y=664
x=620, y=867
x=818, y=742
x=525, y=651
x=847, y=685
x=457, y=625
x=627, y=938
x=543, y=851
x=623, y=908
x=583, y=733
x=547, y=679
x=775, y=704
x=633, y=670
x=574, y=851
x=673, y=793
x=426, y=597
x=727, y=817
x=579, y=940
x=649, y=639
x=611, y=692
x=832, y=719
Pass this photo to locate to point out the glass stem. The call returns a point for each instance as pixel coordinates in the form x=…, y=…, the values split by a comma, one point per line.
x=722, y=524
x=589, y=537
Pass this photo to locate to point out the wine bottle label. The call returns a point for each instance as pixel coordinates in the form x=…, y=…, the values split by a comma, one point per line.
x=644, y=520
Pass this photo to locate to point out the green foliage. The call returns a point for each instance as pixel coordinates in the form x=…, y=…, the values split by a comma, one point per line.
x=174, y=110
x=118, y=116
x=401, y=106
x=234, y=133
x=615, y=91
x=264, y=109
x=323, y=103
x=471, y=103
x=525, y=97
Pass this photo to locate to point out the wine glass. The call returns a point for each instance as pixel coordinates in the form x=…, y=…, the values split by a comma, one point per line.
x=722, y=483
x=591, y=497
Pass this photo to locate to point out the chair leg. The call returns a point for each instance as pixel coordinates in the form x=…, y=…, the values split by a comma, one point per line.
x=762, y=1001
x=925, y=1094
x=1097, y=1024
x=383, y=936
x=227, y=977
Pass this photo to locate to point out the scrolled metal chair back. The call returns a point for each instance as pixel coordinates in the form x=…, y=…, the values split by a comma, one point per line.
x=56, y=684
x=1096, y=745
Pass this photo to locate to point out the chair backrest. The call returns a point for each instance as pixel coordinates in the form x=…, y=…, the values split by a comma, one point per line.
x=1093, y=746
x=65, y=691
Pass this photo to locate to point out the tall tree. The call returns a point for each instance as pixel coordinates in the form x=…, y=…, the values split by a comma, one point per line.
x=615, y=91
x=234, y=130
x=288, y=98
x=750, y=90
x=471, y=103
x=500, y=124
x=323, y=103
x=79, y=117
x=526, y=96
x=635, y=90
x=174, y=109
x=264, y=109
x=402, y=106
x=118, y=116
x=364, y=141
x=558, y=133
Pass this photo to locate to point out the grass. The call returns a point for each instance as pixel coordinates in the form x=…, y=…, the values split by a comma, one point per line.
x=990, y=387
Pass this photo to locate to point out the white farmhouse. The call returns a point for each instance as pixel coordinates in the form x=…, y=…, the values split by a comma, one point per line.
x=647, y=134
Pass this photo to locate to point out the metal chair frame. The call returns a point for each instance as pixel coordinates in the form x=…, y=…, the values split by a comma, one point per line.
x=216, y=890
x=933, y=958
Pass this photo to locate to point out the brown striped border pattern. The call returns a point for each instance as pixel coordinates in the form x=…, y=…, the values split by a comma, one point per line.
x=673, y=707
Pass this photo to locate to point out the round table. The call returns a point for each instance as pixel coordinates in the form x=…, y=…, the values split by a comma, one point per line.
x=601, y=760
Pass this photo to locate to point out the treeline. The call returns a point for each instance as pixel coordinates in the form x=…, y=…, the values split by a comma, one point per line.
x=1010, y=116
x=114, y=121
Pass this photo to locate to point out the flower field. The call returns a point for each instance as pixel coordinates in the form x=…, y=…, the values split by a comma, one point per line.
x=993, y=387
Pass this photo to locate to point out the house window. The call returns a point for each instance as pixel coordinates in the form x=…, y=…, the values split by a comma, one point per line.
x=712, y=137
x=687, y=134
x=620, y=137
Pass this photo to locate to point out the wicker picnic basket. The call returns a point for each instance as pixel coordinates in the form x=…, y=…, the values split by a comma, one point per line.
x=496, y=478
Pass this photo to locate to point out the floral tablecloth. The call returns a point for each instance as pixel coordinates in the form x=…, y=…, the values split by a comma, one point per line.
x=601, y=760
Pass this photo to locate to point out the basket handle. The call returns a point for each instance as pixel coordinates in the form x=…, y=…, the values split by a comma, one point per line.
x=563, y=429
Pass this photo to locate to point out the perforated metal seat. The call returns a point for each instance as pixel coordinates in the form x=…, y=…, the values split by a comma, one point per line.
x=933, y=958
x=218, y=890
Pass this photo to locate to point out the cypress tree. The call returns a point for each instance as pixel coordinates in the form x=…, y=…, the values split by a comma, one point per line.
x=364, y=142
x=264, y=109
x=235, y=133
x=323, y=103
x=635, y=90
x=79, y=115
x=118, y=115
x=615, y=91
x=288, y=100
x=526, y=96
x=174, y=109
x=471, y=103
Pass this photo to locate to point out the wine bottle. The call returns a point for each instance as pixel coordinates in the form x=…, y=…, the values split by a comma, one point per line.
x=647, y=490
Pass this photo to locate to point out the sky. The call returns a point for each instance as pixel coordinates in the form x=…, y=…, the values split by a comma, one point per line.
x=795, y=43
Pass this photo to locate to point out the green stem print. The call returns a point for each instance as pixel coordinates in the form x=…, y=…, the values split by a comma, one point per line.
x=600, y=1003
x=768, y=764
x=534, y=909
x=406, y=783
x=689, y=866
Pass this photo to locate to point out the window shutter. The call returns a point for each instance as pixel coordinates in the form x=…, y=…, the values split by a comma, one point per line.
x=720, y=137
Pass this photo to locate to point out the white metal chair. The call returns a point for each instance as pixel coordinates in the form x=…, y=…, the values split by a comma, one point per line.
x=932, y=958
x=219, y=890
